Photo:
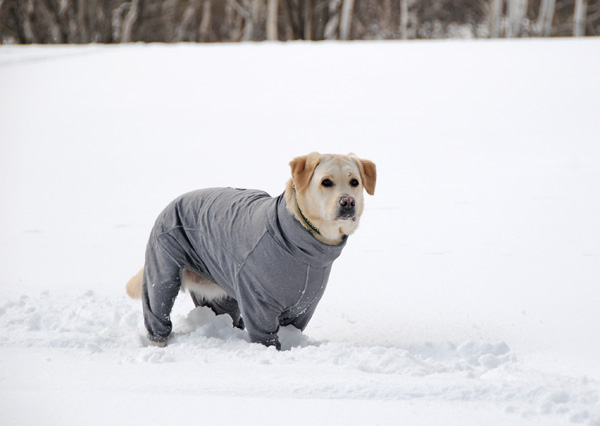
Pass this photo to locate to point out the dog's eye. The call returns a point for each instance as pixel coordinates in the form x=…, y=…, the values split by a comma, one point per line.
x=354, y=183
x=327, y=183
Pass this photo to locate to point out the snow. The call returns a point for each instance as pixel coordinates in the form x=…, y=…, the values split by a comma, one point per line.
x=468, y=296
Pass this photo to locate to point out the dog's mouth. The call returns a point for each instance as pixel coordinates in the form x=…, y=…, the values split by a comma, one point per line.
x=346, y=215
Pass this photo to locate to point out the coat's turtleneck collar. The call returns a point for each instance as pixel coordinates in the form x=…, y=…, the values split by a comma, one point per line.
x=289, y=233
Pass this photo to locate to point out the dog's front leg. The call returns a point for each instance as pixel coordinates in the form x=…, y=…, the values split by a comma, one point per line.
x=261, y=319
x=263, y=330
x=161, y=284
x=268, y=341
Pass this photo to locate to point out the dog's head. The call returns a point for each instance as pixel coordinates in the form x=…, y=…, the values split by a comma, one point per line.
x=327, y=189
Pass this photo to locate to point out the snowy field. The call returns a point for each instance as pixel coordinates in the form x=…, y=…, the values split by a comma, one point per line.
x=470, y=295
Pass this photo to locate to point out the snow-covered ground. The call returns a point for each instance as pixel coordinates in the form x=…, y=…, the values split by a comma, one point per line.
x=470, y=295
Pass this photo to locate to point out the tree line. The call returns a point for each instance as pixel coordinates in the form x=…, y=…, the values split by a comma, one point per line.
x=120, y=21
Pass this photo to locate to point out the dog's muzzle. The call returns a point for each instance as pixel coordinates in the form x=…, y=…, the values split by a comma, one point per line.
x=347, y=209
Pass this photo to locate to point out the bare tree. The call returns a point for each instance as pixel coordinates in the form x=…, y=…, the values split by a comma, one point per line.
x=129, y=20
x=205, y=22
x=308, y=17
x=545, y=17
x=272, y=20
x=579, y=18
x=333, y=23
x=27, y=25
x=495, y=18
x=246, y=12
x=517, y=10
x=81, y=24
x=404, y=19
x=188, y=15
x=346, y=19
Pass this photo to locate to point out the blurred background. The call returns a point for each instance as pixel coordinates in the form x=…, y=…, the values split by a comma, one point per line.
x=117, y=21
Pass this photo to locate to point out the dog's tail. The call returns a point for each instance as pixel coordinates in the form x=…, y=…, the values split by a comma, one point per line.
x=134, y=286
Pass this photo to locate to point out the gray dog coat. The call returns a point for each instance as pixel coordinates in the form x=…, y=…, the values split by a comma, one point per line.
x=272, y=269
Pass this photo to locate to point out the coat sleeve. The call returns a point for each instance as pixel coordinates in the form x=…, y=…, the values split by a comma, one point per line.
x=261, y=316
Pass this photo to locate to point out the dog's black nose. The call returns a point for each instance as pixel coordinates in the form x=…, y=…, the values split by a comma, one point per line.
x=347, y=202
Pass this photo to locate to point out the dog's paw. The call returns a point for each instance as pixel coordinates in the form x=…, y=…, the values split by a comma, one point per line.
x=156, y=344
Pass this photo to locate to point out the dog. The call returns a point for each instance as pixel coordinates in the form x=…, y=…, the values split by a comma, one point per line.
x=264, y=261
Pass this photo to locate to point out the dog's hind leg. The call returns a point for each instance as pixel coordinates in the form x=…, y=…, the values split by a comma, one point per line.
x=161, y=284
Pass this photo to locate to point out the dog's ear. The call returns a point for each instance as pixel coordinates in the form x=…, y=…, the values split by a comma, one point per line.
x=303, y=169
x=368, y=174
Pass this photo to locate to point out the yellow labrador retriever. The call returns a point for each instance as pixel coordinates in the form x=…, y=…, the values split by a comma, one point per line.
x=264, y=261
